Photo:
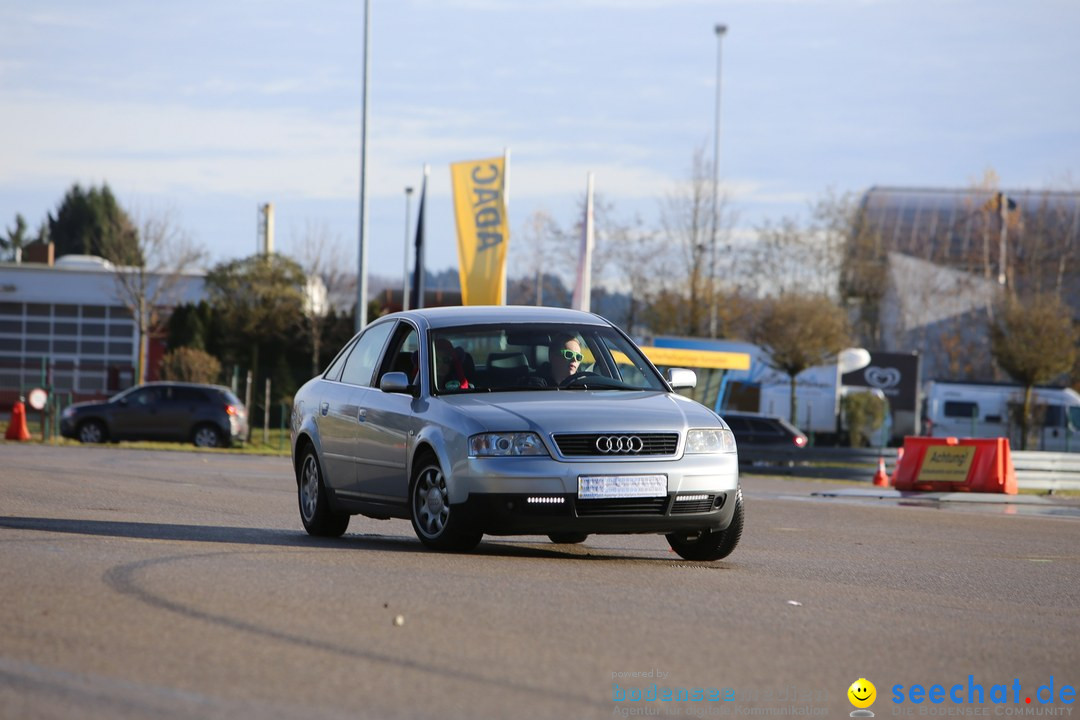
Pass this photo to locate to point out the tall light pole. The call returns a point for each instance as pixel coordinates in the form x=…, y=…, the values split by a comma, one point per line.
x=1003, y=214
x=405, y=272
x=361, y=272
x=720, y=31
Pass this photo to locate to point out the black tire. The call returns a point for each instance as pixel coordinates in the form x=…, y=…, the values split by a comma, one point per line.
x=568, y=538
x=434, y=520
x=710, y=544
x=92, y=431
x=208, y=436
x=318, y=517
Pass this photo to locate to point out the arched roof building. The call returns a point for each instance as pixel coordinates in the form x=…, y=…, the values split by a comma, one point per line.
x=948, y=255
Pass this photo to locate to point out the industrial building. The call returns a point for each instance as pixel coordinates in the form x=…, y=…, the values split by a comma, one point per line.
x=64, y=325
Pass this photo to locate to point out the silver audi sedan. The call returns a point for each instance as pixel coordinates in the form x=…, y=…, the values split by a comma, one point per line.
x=512, y=421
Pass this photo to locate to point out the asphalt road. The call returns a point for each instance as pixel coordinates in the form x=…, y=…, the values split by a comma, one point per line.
x=180, y=585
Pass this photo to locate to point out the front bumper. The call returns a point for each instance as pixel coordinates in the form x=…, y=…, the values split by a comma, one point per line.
x=506, y=514
x=67, y=428
x=526, y=495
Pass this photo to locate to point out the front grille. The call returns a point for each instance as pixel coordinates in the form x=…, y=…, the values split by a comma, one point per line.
x=622, y=444
x=694, y=505
x=622, y=506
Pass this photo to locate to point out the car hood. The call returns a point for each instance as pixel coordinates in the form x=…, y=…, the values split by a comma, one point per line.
x=570, y=411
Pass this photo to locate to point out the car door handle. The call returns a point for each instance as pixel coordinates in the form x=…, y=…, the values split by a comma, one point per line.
x=361, y=414
x=324, y=408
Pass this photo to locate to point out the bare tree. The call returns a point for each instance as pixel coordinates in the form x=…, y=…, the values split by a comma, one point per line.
x=688, y=217
x=793, y=257
x=322, y=258
x=627, y=256
x=636, y=255
x=540, y=251
x=148, y=273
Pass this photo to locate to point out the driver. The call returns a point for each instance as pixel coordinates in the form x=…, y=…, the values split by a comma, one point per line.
x=564, y=356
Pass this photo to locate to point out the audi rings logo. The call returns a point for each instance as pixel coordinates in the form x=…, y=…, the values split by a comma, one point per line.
x=619, y=444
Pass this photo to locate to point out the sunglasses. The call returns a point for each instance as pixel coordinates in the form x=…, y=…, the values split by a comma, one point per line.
x=571, y=355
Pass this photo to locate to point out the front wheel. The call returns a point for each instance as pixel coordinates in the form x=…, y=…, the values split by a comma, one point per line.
x=710, y=544
x=435, y=522
x=315, y=512
x=92, y=431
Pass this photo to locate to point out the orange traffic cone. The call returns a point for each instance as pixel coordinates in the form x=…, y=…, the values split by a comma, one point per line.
x=16, y=429
x=881, y=478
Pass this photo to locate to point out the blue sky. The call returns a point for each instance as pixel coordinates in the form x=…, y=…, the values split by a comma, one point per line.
x=208, y=109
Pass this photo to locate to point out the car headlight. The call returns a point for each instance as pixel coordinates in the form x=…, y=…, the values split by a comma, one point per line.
x=710, y=440
x=68, y=412
x=506, y=444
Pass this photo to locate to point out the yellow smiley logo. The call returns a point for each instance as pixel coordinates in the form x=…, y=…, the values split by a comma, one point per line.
x=862, y=693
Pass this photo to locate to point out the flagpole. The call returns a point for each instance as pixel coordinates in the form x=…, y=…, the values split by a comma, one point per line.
x=405, y=269
x=506, y=206
x=421, y=234
x=586, y=268
x=582, y=299
x=361, y=271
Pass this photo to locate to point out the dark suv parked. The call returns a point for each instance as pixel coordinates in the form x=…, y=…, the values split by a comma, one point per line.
x=754, y=429
x=207, y=415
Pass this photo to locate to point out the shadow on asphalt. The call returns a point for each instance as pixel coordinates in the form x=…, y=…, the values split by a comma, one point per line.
x=491, y=547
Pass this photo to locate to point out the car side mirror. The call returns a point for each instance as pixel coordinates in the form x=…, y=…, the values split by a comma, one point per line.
x=680, y=378
x=398, y=382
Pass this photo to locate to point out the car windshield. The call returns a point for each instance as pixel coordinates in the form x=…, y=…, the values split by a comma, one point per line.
x=500, y=358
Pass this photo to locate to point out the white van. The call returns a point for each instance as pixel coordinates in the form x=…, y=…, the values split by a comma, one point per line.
x=960, y=409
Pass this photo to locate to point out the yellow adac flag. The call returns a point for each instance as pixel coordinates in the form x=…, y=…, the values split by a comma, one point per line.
x=483, y=229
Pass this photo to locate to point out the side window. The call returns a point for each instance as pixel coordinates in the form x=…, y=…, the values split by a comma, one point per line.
x=1054, y=416
x=763, y=427
x=145, y=397
x=188, y=395
x=334, y=370
x=958, y=409
x=624, y=369
x=360, y=365
x=1074, y=417
x=403, y=353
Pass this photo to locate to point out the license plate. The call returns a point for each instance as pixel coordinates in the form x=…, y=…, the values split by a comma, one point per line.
x=592, y=487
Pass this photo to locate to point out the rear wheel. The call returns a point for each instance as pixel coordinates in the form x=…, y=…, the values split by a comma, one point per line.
x=318, y=517
x=710, y=544
x=207, y=436
x=568, y=538
x=435, y=522
x=92, y=431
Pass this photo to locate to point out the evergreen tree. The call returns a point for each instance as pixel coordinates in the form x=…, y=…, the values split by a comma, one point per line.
x=91, y=222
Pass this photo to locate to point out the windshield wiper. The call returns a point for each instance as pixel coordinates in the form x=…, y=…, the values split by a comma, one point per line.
x=596, y=383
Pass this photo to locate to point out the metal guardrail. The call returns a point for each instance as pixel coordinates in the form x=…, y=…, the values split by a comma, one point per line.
x=1035, y=470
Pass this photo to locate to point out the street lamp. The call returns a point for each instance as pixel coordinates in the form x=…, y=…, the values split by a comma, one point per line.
x=720, y=31
x=361, y=274
x=405, y=272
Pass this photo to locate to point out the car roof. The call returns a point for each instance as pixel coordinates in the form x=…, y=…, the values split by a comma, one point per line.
x=178, y=383
x=440, y=317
